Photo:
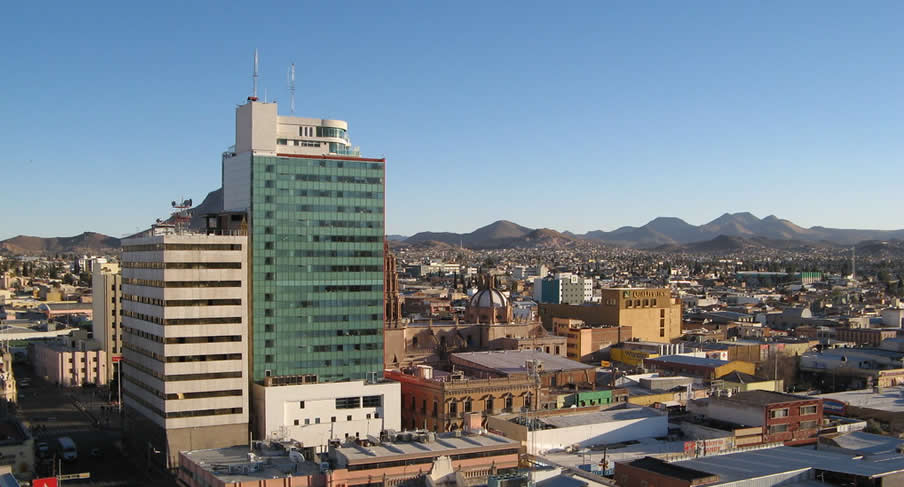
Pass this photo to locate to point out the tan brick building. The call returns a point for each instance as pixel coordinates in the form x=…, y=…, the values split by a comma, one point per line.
x=584, y=342
x=653, y=314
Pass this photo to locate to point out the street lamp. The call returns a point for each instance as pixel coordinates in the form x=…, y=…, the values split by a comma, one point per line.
x=151, y=450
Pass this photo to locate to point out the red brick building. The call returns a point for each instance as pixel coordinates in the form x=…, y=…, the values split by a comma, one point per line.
x=794, y=420
x=865, y=336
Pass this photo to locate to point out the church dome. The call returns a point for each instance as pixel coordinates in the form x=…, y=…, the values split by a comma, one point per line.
x=488, y=298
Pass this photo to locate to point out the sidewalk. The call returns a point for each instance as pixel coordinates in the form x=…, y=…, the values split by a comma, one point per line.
x=93, y=402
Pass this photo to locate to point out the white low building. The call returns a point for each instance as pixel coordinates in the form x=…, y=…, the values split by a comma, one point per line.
x=313, y=414
x=581, y=429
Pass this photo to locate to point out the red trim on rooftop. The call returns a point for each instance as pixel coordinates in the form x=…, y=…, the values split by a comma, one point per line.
x=337, y=158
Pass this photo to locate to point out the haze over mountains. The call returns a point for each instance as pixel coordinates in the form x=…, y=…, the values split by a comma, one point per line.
x=87, y=242
x=731, y=231
x=663, y=231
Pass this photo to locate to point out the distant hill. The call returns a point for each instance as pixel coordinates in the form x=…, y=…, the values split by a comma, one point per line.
x=769, y=232
x=674, y=231
x=500, y=234
x=85, y=243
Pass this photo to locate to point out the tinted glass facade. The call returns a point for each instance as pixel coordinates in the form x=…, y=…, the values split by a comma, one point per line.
x=317, y=267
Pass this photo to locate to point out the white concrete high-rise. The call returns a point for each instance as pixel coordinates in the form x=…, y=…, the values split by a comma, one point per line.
x=185, y=369
x=106, y=283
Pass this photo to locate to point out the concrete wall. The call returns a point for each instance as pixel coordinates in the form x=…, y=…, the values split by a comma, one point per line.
x=70, y=367
x=732, y=412
x=106, y=283
x=255, y=128
x=237, y=182
x=278, y=409
x=600, y=433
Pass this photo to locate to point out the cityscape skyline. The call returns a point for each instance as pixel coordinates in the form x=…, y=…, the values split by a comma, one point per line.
x=630, y=140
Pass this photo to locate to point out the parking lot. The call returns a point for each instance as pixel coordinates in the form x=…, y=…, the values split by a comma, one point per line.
x=51, y=413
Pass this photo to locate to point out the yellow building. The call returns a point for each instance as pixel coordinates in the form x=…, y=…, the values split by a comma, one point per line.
x=653, y=314
x=633, y=358
x=741, y=382
x=583, y=342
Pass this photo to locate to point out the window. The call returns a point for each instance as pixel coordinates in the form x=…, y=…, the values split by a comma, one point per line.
x=296, y=422
x=778, y=428
x=807, y=410
x=467, y=405
x=332, y=419
x=316, y=420
x=348, y=402
x=300, y=404
x=779, y=413
x=373, y=401
x=348, y=418
x=268, y=328
x=453, y=408
x=268, y=343
x=281, y=142
x=435, y=409
x=307, y=421
x=646, y=302
x=628, y=303
x=808, y=425
x=654, y=303
x=662, y=313
x=661, y=332
x=489, y=404
x=368, y=415
x=268, y=359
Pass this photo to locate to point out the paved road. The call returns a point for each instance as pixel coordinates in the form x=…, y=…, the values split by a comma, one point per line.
x=51, y=411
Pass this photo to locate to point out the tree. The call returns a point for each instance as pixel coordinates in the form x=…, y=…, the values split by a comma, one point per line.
x=84, y=279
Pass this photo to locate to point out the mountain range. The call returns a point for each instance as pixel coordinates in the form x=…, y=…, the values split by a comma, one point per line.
x=663, y=231
x=85, y=243
x=731, y=231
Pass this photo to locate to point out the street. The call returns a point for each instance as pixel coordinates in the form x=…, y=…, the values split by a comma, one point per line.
x=50, y=412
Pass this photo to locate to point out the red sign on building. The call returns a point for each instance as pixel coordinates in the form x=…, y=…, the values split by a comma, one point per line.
x=45, y=482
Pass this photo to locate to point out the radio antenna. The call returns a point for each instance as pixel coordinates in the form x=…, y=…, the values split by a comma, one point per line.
x=255, y=76
x=292, y=88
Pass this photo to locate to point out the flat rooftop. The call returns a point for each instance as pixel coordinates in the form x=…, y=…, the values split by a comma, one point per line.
x=597, y=417
x=225, y=464
x=888, y=399
x=763, y=398
x=670, y=469
x=867, y=443
x=512, y=361
x=446, y=442
x=770, y=461
x=688, y=360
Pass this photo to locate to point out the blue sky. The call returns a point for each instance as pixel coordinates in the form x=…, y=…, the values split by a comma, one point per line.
x=574, y=116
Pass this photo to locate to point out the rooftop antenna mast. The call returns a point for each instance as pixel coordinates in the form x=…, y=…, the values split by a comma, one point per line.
x=255, y=76
x=854, y=262
x=292, y=88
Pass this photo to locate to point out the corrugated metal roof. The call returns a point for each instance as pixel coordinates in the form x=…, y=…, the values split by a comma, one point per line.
x=772, y=461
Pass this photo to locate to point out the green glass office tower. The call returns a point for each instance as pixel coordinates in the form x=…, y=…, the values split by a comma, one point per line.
x=316, y=228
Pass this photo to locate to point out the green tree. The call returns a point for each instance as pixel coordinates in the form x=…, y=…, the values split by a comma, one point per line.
x=84, y=279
